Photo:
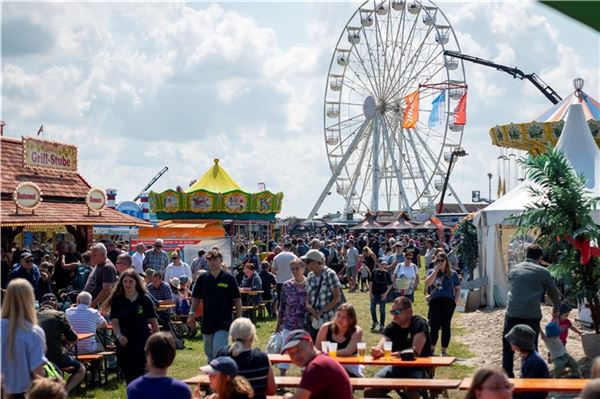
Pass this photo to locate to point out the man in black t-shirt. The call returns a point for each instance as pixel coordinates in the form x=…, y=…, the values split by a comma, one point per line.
x=102, y=277
x=220, y=293
x=380, y=284
x=406, y=331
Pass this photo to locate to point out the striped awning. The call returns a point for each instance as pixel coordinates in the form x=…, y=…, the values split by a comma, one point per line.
x=591, y=108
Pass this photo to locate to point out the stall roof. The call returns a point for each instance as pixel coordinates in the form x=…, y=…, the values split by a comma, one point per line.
x=65, y=213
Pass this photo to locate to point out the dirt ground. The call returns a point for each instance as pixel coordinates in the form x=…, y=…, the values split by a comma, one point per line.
x=483, y=337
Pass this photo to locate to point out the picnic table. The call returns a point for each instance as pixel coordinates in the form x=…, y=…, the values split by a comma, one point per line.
x=430, y=361
x=540, y=384
x=163, y=307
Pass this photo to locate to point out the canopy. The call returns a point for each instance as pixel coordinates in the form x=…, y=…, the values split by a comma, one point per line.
x=578, y=145
x=215, y=180
x=546, y=128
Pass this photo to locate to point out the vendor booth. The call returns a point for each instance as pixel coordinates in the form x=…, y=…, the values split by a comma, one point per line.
x=45, y=198
x=498, y=248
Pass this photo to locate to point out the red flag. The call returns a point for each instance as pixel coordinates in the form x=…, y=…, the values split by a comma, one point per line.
x=411, y=112
x=460, y=112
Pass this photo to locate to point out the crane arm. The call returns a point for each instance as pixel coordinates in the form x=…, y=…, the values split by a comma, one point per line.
x=154, y=179
x=546, y=90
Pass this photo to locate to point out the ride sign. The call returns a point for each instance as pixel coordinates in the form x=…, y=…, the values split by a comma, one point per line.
x=27, y=196
x=44, y=154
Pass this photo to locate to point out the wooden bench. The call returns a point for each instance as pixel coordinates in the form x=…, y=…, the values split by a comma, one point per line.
x=540, y=384
x=358, y=383
x=97, y=360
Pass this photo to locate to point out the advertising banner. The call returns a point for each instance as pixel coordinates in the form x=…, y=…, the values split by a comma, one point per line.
x=43, y=154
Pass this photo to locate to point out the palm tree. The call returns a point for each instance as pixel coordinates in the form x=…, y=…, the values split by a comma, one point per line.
x=561, y=218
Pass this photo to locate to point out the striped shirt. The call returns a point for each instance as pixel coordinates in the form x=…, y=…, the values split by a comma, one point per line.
x=254, y=365
x=84, y=319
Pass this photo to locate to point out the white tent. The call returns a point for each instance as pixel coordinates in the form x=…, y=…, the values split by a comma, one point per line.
x=580, y=149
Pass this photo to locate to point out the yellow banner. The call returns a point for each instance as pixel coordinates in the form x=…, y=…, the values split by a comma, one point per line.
x=42, y=154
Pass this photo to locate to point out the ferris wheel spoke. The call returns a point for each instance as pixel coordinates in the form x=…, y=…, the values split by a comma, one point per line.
x=374, y=83
x=373, y=90
x=389, y=78
x=404, y=44
x=345, y=83
x=359, y=82
x=404, y=87
x=380, y=49
x=411, y=63
x=418, y=160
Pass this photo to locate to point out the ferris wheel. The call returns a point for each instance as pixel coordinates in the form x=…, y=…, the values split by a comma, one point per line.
x=386, y=51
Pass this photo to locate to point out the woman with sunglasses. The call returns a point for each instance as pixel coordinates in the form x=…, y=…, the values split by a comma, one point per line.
x=177, y=268
x=490, y=383
x=443, y=286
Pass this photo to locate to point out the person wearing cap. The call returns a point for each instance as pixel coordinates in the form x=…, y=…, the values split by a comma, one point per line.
x=406, y=331
x=557, y=353
x=323, y=290
x=59, y=332
x=527, y=282
x=224, y=379
x=220, y=293
x=156, y=258
x=323, y=377
x=29, y=271
x=380, y=285
x=522, y=339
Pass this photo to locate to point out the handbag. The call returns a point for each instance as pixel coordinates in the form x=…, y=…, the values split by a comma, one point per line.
x=310, y=322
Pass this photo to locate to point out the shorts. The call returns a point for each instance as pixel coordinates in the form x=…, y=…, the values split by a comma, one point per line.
x=68, y=361
x=351, y=271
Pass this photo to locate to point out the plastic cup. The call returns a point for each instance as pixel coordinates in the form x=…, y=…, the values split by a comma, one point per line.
x=333, y=349
x=361, y=347
x=387, y=350
x=325, y=347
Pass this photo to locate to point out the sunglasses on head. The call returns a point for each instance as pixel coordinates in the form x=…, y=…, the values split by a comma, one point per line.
x=397, y=312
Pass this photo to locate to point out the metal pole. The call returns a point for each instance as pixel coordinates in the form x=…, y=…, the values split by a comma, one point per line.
x=489, y=175
x=441, y=205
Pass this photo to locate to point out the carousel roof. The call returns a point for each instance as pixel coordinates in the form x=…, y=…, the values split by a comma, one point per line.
x=215, y=180
x=591, y=108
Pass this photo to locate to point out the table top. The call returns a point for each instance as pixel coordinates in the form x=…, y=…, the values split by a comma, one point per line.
x=357, y=383
x=540, y=384
x=165, y=307
x=85, y=336
x=431, y=361
x=250, y=292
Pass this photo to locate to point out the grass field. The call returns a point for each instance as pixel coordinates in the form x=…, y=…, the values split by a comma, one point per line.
x=192, y=356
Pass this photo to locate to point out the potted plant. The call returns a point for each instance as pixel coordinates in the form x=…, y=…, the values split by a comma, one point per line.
x=561, y=216
x=467, y=251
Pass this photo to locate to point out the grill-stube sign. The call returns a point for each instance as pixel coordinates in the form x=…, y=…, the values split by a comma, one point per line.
x=42, y=154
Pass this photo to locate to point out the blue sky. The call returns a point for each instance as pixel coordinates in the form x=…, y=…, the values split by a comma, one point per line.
x=138, y=86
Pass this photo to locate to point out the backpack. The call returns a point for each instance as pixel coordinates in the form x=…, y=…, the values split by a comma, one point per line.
x=81, y=276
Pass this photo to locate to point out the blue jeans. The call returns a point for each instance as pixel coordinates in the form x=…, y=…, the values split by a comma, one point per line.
x=396, y=372
x=214, y=342
x=381, y=302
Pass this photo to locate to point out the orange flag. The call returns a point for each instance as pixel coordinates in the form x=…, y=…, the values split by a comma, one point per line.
x=460, y=112
x=411, y=112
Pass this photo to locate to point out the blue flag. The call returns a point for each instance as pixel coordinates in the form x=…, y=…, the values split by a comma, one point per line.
x=437, y=109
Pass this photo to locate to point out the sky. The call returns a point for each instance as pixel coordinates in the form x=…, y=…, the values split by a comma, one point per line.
x=139, y=86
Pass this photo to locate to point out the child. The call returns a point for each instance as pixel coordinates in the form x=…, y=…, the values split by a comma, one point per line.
x=522, y=340
x=160, y=353
x=564, y=323
x=365, y=273
x=558, y=354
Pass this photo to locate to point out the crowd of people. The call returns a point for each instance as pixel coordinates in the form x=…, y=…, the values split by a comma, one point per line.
x=303, y=280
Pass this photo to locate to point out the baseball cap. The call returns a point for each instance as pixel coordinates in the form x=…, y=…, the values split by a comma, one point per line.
x=314, y=255
x=25, y=255
x=49, y=298
x=222, y=364
x=294, y=338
